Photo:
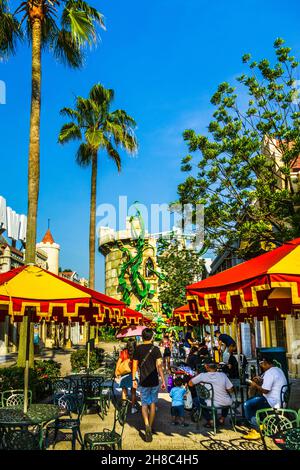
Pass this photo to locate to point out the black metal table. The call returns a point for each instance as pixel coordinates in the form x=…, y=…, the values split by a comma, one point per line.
x=17, y=429
x=37, y=414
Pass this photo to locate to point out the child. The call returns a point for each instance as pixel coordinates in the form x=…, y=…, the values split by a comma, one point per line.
x=177, y=394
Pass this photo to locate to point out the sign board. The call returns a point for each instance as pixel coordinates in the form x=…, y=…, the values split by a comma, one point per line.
x=246, y=339
x=12, y=222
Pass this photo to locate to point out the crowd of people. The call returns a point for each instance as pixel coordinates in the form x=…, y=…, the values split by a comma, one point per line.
x=213, y=360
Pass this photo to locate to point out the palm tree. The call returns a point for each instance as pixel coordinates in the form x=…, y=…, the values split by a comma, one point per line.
x=64, y=28
x=100, y=129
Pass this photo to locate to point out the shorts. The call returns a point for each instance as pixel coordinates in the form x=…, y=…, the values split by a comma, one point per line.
x=177, y=411
x=149, y=395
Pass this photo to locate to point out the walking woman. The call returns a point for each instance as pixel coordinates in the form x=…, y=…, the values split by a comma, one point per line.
x=166, y=344
x=126, y=380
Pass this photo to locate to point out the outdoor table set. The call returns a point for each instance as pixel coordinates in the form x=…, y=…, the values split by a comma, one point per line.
x=19, y=430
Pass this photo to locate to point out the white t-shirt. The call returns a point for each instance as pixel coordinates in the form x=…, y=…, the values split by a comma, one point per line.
x=220, y=383
x=274, y=379
x=208, y=342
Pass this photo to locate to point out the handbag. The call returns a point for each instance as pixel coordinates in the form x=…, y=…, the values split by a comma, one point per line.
x=188, y=401
x=124, y=368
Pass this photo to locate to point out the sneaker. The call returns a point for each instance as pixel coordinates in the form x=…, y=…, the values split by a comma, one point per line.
x=148, y=434
x=133, y=410
x=252, y=435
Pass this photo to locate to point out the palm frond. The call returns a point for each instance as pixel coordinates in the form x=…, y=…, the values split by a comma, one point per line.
x=130, y=143
x=81, y=19
x=70, y=113
x=66, y=49
x=119, y=115
x=94, y=138
x=10, y=31
x=113, y=153
x=122, y=134
x=50, y=30
x=90, y=11
x=84, y=155
x=68, y=132
x=99, y=94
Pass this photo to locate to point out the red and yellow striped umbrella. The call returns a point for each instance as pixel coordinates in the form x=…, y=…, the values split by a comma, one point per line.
x=266, y=285
x=54, y=298
x=133, y=317
x=182, y=316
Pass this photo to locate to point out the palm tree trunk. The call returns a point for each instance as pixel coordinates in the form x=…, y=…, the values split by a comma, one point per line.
x=92, y=241
x=34, y=144
x=33, y=177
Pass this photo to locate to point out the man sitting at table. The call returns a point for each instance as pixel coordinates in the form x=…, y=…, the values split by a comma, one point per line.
x=221, y=386
x=269, y=389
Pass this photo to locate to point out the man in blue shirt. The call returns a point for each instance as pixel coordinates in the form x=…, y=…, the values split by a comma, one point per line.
x=225, y=339
x=226, y=343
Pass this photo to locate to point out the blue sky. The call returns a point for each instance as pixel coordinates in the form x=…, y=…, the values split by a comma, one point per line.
x=164, y=59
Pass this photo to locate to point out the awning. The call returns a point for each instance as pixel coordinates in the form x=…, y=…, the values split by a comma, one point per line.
x=266, y=285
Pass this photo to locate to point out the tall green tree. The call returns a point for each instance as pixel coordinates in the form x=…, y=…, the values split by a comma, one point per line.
x=99, y=129
x=179, y=266
x=63, y=28
x=241, y=168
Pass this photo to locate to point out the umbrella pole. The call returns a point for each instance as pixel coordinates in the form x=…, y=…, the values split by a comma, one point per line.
x=238, y=343
x=26, y=370
x=212, y=341
x=88, y=347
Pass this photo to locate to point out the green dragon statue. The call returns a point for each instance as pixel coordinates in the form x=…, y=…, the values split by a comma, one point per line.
x=131, y=268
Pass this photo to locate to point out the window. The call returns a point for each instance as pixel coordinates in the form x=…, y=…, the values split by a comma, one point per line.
x=149, y=268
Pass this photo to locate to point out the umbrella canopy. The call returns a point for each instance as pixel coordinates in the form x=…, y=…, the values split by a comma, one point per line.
x=266, y=285
x=131, y=331
x=133, y=317
x=184, y=317
x=54, y=297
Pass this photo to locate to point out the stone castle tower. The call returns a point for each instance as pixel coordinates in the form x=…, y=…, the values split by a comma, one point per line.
x=111, y=244
x=52, y=250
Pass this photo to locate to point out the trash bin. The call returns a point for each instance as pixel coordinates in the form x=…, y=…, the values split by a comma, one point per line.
x=276, y=354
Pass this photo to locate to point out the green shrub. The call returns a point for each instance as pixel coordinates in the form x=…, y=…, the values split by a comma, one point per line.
x=46, y=371
x=107, y=333
x=39, y=378
x=79, y=359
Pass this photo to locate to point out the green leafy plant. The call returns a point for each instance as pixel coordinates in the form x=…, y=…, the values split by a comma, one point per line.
x=79, y=359
x=107, y=333
x=39, y=378
x=180, y=266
